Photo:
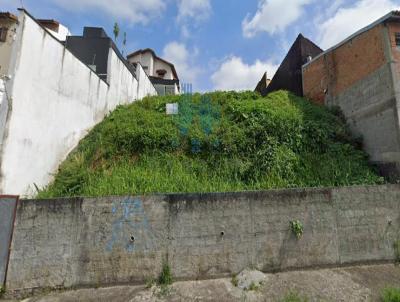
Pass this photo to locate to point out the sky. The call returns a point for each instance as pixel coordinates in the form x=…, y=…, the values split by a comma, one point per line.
x=215, y=44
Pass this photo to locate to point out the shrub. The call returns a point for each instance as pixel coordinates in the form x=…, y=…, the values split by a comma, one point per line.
x=235, y=281
x=221, y=141
x=297, y=228
x=396, y=246
x=165, y=277
x=253, y=287
x=391, y=295
x=294, y=297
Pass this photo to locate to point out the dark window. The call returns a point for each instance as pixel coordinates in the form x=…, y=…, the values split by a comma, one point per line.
x=3, y=34
x=397, y=37
x=161, y=72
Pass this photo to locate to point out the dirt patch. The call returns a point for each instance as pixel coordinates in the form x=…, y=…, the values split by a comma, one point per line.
x=357, y=283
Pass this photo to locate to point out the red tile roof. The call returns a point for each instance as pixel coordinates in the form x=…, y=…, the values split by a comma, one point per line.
x=8, y=15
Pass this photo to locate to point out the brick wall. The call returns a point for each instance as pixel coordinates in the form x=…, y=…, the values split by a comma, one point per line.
x=339, y=69
x=111, y=240
x=395, y=51
x=361, y=76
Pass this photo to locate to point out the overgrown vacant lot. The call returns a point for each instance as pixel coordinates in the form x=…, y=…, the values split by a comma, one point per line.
x=222, y=141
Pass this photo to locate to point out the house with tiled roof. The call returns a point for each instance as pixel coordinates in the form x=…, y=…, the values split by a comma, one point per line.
x=162, y=73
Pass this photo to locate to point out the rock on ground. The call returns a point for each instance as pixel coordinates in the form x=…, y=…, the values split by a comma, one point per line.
x=250, y=279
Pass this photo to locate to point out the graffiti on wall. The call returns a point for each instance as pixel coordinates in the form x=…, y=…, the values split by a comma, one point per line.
x=130, y=229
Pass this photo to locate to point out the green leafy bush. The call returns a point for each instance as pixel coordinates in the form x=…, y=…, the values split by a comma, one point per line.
x=391, y=295
x=221, y=141
x=294, y=297
x=235, y=281
x=253, y=287
x=165, y=277
x=396, y=247
x=297, y=228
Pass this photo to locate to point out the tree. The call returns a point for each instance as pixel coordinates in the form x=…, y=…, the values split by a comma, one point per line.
x=124, y=43
x=116, y=31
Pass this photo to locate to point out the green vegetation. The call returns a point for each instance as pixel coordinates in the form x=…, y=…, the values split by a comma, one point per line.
x=391, y=295
x=165, y=277
x=294, y=297
x=253, y=287
x=297, y=228
x=150, y=282
x=222, y=141
x=116, y=31
x=396, y=247
x=235, y=281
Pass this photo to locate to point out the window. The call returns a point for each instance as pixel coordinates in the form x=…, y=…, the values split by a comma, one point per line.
x=3, y=34
x=161, y=72
x=397, y=38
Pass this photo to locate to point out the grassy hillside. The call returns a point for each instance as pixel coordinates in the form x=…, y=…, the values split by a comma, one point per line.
x=223, y=141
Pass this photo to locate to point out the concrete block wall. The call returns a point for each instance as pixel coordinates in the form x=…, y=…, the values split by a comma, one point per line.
x=8, y=205
x=111, y=240
x=358, y=76
x=55, y=100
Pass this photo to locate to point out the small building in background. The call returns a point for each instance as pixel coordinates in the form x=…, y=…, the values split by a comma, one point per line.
x=57, y=30
x=361, y=75
x=161, y=72
x=289, y=76
x=263, y=84
x=8, y=29
x=93, y=48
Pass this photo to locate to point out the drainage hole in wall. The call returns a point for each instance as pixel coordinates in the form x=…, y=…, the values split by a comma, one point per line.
x=222, y=233
x=132, y=238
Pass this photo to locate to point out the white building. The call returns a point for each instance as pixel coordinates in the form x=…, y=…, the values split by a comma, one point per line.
x=50, y=98
x=58, y=30
x=161, y=72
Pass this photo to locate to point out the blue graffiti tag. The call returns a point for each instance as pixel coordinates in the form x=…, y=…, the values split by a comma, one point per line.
x=131, y=229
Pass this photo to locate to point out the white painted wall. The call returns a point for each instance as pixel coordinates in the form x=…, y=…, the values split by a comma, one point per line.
x=146, y=60
x=153, y=64
x=145, y=84
x=3, y=109
x=176, y=88
x=56, y=100
x=62, y=34
x=158, y=64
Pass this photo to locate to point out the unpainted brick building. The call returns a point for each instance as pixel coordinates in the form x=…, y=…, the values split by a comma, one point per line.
x=361, y=76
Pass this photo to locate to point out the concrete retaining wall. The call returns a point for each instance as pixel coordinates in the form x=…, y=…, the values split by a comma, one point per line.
x=360, y=77
x=111, y=240
x=55, y=99
x=371, y=112
x=8, y=205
